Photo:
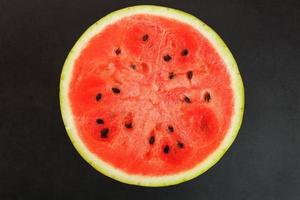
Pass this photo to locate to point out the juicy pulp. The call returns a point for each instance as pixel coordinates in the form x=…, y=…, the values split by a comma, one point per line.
x=149, y=97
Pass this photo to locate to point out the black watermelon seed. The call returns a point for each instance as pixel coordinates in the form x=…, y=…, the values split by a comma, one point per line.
x=170, y=129
x=180, y=145
x=104, y=133
x=133, y=66
x=100, y=121
x=128, y=125
x=171, y=75
x=167, y=58
x=118, y=51
x=166, y=149
x=189, y=75
x=98, y=96
x=116, y=90
x=207, y=97
x=145, y=37
x=187, y=100
x=151, y=140
x=184, y=52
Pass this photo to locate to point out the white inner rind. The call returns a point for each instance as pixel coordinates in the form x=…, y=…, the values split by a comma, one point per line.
x=224, y=53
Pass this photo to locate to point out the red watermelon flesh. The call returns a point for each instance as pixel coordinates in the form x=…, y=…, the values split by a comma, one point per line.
x=150, y=95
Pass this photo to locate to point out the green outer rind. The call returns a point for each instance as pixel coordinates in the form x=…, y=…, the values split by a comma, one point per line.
x=153, y=181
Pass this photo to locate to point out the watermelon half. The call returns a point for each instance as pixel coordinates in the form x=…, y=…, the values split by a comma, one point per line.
x=151, y=96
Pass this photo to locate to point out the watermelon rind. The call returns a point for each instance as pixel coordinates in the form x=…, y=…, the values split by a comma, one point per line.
x=142, y=180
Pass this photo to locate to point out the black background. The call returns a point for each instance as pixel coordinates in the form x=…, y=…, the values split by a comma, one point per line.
x=37, y=160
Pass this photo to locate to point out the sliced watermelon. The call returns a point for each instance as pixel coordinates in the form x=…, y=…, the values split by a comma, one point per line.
x=151, y=96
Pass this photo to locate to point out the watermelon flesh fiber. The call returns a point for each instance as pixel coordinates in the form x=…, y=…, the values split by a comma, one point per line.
x=151, y=96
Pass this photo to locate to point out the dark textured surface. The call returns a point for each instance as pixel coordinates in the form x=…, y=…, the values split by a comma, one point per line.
x=37, y=160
